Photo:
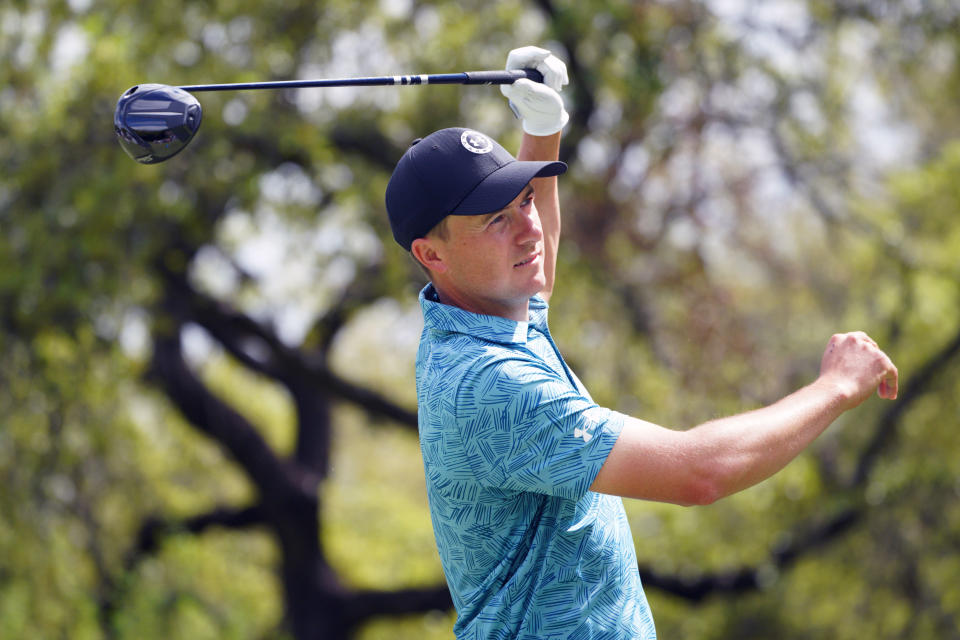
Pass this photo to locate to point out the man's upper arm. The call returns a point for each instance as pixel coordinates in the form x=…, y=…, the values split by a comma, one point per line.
x=651, y=462
x=525, y=428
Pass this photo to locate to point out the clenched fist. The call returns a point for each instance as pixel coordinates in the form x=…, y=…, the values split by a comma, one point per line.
x=856, y=365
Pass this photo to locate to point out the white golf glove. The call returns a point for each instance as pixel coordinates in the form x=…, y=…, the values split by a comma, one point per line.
x=539, y=106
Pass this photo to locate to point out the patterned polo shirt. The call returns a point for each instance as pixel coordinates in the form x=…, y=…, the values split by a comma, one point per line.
x=511, y=443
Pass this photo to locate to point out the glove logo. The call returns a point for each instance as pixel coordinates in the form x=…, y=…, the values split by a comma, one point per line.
x=476, y=142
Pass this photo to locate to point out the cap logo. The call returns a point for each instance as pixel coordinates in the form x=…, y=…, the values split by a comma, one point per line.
x=476, y=142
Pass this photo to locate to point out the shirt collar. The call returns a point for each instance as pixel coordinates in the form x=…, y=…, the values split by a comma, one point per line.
x=442, y=317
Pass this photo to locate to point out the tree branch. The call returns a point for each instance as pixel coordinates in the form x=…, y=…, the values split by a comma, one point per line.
x=221, y=422
x=364, y=605
x=237, y=332
x=151, y=534
x=371, y=401
x=154, y=529
x=754, y=578
x=284, y=364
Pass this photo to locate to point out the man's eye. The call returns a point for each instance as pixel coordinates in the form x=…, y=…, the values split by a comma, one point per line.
x=498, y=219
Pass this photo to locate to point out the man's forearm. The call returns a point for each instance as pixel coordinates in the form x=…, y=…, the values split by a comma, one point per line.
x=742, y=450
x=719, y=457
x=539, y=147
x=547, y=200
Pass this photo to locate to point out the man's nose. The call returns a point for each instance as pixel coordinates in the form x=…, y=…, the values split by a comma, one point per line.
x=530, y=229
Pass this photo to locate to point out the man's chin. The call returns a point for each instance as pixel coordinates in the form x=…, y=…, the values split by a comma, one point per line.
x=538, y=285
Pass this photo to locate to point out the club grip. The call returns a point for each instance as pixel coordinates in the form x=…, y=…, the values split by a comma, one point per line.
x=502, y=77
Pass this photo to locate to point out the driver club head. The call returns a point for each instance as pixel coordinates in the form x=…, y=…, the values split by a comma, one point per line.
x=155, y=122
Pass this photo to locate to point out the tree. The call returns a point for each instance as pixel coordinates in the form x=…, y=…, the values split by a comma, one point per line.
x=180, y=361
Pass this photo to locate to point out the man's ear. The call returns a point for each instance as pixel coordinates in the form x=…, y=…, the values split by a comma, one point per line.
x=425, y=251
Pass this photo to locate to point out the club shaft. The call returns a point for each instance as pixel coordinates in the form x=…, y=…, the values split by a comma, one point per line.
x=465, y=77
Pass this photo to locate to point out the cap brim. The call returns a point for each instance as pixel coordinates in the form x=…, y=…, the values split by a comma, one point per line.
x=503, y=185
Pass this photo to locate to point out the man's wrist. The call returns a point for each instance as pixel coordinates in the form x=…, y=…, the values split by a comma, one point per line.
x=540, y=148
x=838, y=392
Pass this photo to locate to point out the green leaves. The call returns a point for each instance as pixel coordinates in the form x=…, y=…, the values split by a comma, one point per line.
x=725, y=212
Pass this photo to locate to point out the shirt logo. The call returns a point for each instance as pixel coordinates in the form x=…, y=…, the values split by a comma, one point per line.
x=582, y=433
x=476, y=142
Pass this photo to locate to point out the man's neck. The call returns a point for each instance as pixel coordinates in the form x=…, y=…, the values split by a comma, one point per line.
x=519, y=312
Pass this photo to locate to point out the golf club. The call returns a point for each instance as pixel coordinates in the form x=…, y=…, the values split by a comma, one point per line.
x=154, y=122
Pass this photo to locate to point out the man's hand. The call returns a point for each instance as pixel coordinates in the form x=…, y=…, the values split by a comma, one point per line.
x=552, y=68
x=855, y=364
x=538, y=106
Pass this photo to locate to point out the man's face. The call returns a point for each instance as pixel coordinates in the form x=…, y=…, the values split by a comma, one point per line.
x=491, y=263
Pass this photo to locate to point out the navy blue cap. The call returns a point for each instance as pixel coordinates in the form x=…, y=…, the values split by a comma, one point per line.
x=455, y=172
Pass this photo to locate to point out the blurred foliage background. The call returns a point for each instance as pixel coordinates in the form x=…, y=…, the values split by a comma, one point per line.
x=207, y=420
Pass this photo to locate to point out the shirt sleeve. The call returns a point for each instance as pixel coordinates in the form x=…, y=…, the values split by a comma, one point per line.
x=525, y=427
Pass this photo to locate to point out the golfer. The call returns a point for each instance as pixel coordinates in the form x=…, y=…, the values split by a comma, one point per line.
x=525, y=473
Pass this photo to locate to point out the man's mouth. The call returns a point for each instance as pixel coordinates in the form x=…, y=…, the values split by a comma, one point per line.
x=527, y=261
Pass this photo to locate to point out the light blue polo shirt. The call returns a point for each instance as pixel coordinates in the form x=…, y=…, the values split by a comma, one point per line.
x=511, y=443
